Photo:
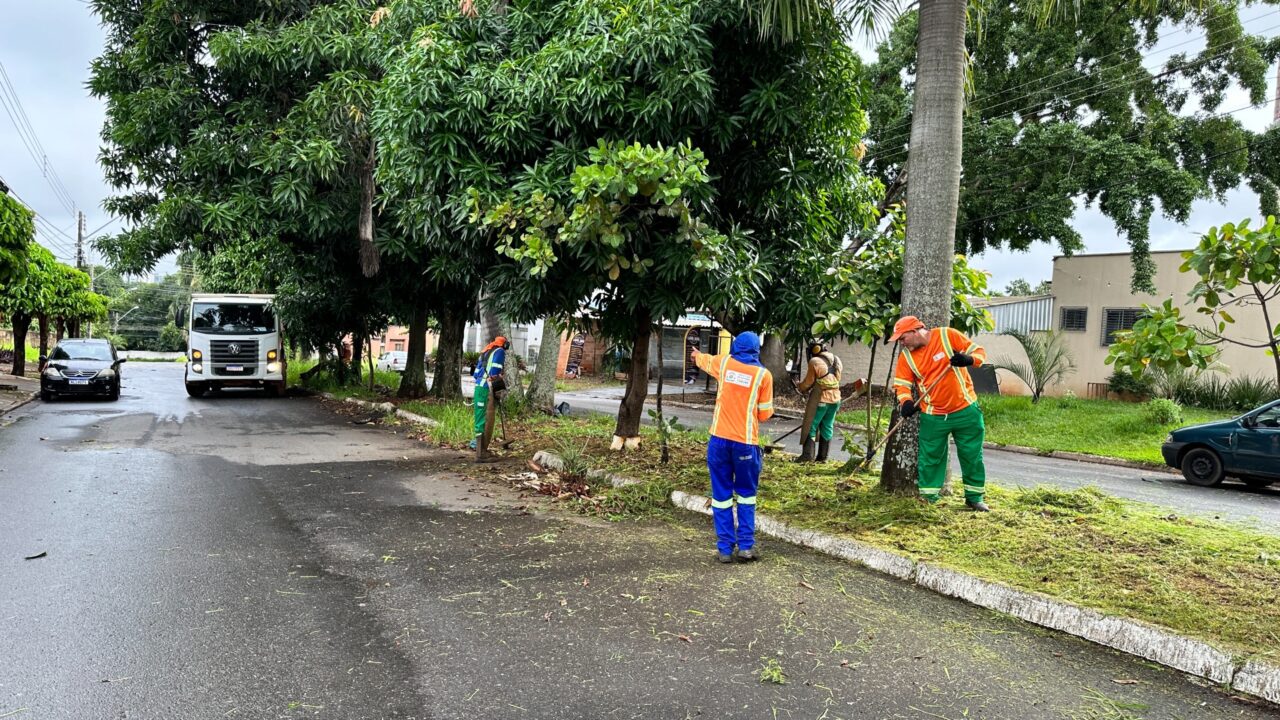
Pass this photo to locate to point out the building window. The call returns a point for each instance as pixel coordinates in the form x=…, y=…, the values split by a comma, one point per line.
x=398, y=345
x=1116, y=320
x=1073, y=319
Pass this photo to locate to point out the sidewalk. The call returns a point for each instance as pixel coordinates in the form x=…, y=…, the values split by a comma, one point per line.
x=16, y=391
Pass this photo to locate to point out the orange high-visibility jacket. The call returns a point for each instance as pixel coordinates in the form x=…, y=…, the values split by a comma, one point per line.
x=744, y=400
x=924, y=366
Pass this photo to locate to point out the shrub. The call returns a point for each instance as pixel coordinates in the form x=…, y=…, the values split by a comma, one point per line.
x=1123, y=382
x=1246, y=393
x=469, y=360
x=1163, y=411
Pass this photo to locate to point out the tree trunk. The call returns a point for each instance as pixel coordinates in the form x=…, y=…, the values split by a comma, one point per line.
x=21, y=324
x=662, y=431
x=357, y=354
x=773, y=355
x=44, y=334
x=932, y=197
x=60, y=326
x=453, y=325
x=542, y=389
x=490, y=323
x=413, y=383
x=626, y=434
x=370, y=258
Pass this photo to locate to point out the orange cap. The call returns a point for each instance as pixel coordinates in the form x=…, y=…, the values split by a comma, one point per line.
x=905, y=325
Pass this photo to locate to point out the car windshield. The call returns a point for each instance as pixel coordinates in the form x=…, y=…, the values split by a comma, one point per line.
x=82, y=351
x=232, y=319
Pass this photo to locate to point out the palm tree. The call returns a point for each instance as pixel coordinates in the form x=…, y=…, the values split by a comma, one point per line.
x=1048, y=361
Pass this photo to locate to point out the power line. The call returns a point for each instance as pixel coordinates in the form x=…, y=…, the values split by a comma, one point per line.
x=31, y=140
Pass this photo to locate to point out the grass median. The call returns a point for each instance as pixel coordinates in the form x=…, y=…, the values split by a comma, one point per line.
x=1209, y=579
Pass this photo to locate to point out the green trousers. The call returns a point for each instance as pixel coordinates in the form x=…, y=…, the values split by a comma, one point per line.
x=481, y=401
x=968, y=429
x=824, y=420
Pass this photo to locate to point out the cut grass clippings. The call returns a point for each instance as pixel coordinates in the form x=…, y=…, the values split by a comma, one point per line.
x=1106, y=428
x=1214, y=580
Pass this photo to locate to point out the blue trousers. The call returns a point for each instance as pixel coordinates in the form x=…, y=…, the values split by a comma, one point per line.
x=735, y=471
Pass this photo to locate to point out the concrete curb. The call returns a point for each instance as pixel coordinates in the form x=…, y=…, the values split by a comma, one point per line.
x=1134, y=637
x=1079, y=457
x=20, y=404
x=385, y=407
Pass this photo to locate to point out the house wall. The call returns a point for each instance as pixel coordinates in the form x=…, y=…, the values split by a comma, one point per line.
x=1101, y=282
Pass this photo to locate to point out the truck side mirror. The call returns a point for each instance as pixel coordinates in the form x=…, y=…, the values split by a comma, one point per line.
x=180, y=317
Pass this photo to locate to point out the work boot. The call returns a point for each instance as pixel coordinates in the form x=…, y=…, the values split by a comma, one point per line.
x=824, y=447
x=806, y=451
x=748, y=555
x=725, y=558
x=977, y=506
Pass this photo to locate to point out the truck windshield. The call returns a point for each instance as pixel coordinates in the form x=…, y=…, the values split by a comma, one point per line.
x=232, y=319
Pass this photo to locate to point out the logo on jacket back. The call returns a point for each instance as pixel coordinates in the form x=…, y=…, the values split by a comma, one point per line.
x=733, y=377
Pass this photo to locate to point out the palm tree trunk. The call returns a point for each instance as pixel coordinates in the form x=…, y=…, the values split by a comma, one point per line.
x=932, y=197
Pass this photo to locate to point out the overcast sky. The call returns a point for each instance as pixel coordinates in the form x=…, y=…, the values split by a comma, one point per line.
x=46, y=48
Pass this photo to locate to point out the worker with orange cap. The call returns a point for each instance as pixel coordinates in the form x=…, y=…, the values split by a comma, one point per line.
x=937, y=361
x=490, y=380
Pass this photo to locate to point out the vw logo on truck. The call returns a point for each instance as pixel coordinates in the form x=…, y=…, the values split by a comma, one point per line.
x=233, y=341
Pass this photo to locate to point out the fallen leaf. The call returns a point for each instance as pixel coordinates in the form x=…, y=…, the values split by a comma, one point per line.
x=684, y=638
x=37, y=556
x=804, y=584
x=1124, y=681
x=585, y=582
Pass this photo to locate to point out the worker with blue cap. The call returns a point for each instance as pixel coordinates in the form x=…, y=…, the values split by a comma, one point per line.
x=744, y=399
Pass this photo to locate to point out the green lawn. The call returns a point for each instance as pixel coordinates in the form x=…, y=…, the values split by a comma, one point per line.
x=1096, y=427
x=1205, y=578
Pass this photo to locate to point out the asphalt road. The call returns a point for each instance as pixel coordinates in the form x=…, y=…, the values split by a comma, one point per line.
x=240, y=557
x=1230, y=501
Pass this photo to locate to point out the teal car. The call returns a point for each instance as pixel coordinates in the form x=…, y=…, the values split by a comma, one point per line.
x=1246, y=447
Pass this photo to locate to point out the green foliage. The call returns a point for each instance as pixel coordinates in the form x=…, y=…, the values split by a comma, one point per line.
x=32, y=292
x=1074, y=109
x=1019, y=287
x=17, y=234
x=862, y=295
x=1049, y=362
x=1161, y=337
x=1163, y=411
x=1123, y=381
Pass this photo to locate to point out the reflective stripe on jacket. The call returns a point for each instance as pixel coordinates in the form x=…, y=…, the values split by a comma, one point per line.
x=744, y=398
x=932, y=364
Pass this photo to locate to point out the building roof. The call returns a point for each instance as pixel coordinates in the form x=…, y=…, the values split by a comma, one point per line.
x=1010, y=300
x=1113, y=254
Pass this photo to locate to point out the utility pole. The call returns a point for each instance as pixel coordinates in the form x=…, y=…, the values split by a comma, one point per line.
x=79, y=240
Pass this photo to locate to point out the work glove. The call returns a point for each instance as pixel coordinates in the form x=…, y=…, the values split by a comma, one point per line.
x=909, y=408
x=961, y=360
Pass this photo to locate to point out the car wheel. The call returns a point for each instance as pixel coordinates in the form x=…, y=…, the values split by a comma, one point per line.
x=46, y=396
x=275, y=389
x=1203, y=467
x=115, y=393
x=195, y=390
x=1257, y=483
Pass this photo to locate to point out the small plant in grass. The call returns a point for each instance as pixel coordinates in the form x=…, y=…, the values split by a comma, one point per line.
x=1162, y=411
x=771, y=671
x=1123, y=382
x=575, y=462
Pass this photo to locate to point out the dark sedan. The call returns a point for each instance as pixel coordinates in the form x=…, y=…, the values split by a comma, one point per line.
x=81, y=367
x=1246, y=447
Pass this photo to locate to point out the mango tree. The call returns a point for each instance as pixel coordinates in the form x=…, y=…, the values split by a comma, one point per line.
x=17, y=234
x=22, y=301
x=631, y=225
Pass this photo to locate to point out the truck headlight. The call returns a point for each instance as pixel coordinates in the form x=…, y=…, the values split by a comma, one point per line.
x=197, y=355
x=271, y=356
x=273, y=367
x=197, y=367
x=52, y=373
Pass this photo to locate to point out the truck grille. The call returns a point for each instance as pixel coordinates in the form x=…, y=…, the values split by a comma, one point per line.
x=243, y=353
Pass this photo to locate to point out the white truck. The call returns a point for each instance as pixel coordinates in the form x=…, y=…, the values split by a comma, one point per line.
x=233, y=341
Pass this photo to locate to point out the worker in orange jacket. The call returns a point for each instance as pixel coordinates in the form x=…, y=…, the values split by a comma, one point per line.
x=937, y=361
x=744, y=399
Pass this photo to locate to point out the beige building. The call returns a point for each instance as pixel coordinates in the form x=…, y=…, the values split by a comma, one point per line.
x=1092, y=301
